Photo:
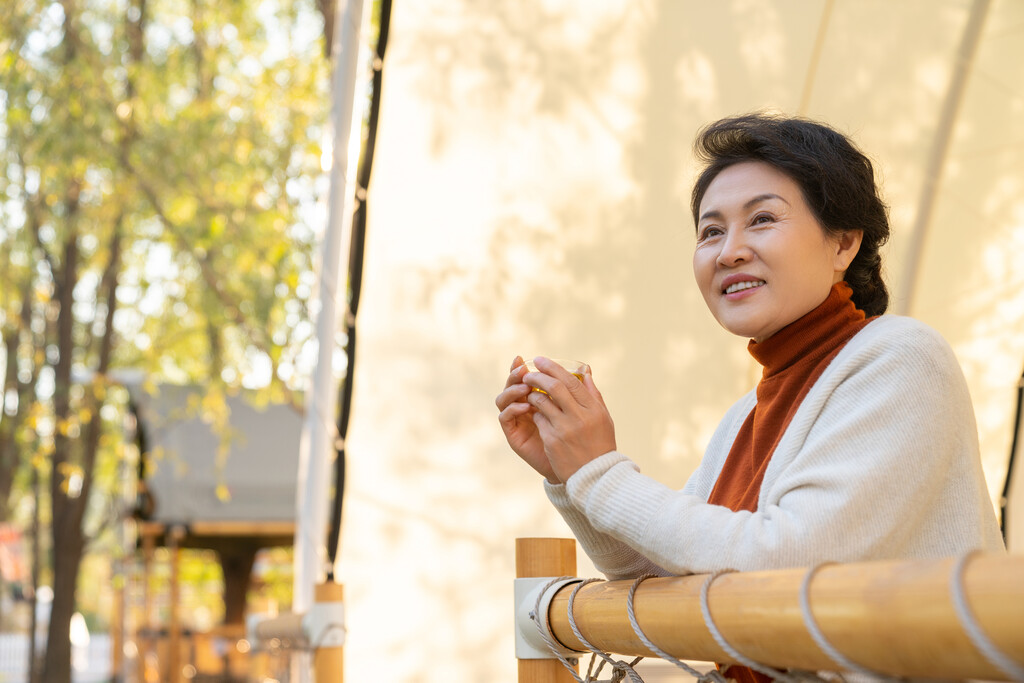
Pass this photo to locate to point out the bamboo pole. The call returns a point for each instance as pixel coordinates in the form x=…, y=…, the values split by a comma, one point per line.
x=540, y=557
x=893, y=617
x=328, y=662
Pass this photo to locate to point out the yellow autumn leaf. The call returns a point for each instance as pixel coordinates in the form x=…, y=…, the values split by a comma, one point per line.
x=223, y=494
x=182, y=209
x=242, y=150
x=217, y=225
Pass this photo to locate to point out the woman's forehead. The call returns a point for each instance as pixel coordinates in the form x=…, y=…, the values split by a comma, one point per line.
x=746, y=182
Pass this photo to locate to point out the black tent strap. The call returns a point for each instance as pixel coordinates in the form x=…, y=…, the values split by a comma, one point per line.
x=355, y=277
x=1004, y=500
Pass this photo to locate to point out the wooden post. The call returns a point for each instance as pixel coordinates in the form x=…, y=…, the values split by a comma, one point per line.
x=540, y=557
x=328, y=662
x=173, y=673
x=147, y=643
x=117, y=622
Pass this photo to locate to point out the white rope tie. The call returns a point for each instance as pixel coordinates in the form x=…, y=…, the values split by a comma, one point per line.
x=539, y=621
x=811, y=624
x=970, y=625
x=713, y=676
x=621, y=669
x=775, y=674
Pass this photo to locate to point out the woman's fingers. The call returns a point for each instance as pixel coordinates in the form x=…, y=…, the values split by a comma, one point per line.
x=514, y=393
x=514, y=389
x=516, y=372
x=563, y=387
x=513, y=412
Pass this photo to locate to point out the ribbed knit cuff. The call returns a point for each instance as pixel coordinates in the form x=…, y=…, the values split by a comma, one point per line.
x=557, y=494
x=588, y=475
x=615, y=497
x=597, y=544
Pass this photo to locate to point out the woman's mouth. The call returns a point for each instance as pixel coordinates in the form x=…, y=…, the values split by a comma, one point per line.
x=745, y=284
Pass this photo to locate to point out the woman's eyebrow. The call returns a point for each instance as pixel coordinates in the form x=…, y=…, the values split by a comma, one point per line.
x=713, y=213
x=716, y=214
x=764, y=197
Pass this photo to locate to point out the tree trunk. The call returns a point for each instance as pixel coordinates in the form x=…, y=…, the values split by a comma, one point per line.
x=33, y=657
x=67, y=556
x=9, y=421
x=67, y=510
x=236, y=562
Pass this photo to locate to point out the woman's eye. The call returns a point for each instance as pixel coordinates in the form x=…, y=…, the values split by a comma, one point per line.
x=763, y=218
x=709, y=232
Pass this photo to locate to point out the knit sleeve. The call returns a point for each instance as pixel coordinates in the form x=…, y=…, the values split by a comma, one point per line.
x=880, y=461
x=610, y=556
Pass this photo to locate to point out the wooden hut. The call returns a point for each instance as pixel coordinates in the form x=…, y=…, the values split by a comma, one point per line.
x=212, y=475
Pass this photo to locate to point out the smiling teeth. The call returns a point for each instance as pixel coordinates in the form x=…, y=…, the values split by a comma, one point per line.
x=740, y=286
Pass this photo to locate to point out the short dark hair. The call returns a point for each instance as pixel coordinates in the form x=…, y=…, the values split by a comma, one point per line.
x=837, y=181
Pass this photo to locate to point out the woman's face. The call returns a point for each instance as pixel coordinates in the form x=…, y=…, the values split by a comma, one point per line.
x=762, y=260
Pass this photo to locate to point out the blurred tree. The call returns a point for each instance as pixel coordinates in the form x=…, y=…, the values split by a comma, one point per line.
x=159, y=173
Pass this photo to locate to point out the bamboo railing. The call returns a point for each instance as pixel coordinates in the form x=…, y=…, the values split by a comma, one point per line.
x=896, y=618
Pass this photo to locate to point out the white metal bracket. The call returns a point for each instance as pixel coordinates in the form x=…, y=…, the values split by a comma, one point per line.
x=530, y=644
x=324, y=624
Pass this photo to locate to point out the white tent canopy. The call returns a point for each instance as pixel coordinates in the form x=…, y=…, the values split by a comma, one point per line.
x=530, y=196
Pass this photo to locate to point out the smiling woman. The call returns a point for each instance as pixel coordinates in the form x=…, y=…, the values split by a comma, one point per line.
x=858, y=443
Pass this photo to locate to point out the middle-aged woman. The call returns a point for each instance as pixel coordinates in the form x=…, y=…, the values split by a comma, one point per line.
x=859, y=441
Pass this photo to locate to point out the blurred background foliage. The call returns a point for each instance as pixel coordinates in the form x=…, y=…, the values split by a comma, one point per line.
x=160, y=178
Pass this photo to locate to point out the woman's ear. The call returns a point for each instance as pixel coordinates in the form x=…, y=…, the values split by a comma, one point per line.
x=847, y=246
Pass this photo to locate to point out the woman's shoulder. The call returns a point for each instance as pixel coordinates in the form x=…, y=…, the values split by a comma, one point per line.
x=897, y=346
x=899, y=333
x=898, y=326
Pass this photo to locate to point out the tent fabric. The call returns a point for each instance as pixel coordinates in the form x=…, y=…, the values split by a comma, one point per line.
x=530, y=196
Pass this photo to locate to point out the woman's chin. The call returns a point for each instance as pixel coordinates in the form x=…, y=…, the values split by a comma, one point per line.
x=746, y=330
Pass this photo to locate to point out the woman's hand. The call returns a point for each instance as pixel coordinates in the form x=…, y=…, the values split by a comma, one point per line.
x=571, y=418
x=516, y=419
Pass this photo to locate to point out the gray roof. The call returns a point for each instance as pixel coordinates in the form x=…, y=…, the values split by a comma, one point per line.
x=244, y=470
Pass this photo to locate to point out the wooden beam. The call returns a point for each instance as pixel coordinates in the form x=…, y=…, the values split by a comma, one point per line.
x=253, y=529
x=241, y=528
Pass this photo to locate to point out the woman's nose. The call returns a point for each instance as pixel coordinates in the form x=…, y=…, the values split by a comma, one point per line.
x=734, y=248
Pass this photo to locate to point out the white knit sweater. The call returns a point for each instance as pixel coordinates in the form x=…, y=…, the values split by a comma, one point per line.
x=880, y=461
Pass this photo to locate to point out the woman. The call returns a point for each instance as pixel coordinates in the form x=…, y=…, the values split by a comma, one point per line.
x=858, y=443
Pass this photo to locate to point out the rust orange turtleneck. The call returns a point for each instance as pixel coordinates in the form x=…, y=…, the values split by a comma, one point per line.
x=793, y=358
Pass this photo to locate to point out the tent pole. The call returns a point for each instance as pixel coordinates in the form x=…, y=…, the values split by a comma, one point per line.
x=812, y=67
x=319, y=429
x=937, y=156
